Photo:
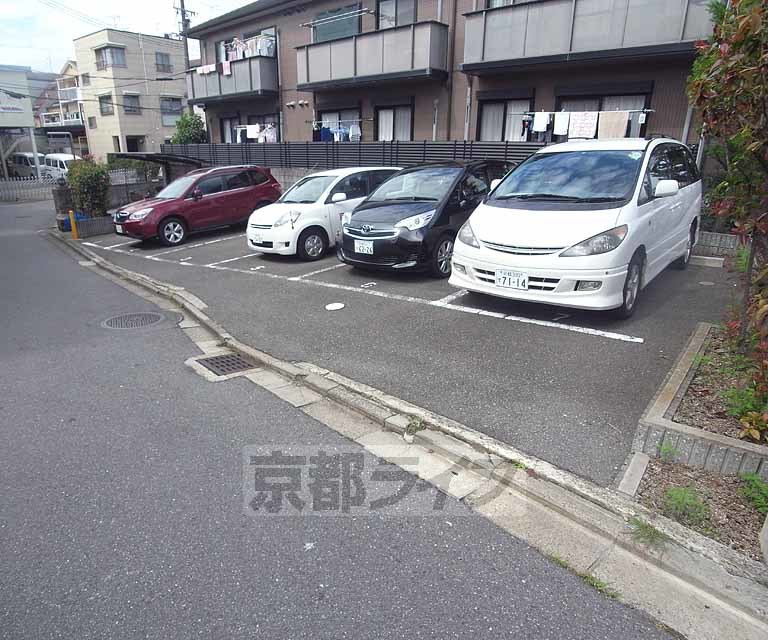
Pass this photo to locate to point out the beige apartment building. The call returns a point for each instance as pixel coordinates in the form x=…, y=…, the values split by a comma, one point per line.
x=444, y=69
x=132, y=87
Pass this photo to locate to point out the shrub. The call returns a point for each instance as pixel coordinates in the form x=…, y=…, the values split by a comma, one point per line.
x=754, y=427
x=684, y=505
x=756, y=491
x=89, y=183
x=743, y=400
x=190, y=129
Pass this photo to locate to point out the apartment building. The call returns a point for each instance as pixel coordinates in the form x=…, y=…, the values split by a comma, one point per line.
x=58, y=112
x=446, y=69
x=132, y=87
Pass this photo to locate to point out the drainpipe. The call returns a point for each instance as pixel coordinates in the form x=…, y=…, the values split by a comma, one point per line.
x=687, y=125
x=468, y=107
x=451, y=57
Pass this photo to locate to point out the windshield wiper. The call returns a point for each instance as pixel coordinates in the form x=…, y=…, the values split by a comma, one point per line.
x=538, y=196
x=415, y=198
x=297, y=201
x=603, y=199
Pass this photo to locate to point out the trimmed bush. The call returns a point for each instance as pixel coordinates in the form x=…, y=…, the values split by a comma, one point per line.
x=89, y=183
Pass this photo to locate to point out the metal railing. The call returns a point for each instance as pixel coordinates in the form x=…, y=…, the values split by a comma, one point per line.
x=336, y=155
x=54, y=119
x=26, y=189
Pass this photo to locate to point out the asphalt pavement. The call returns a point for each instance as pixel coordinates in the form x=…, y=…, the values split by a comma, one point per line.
x=122, y=496
x=565, y=386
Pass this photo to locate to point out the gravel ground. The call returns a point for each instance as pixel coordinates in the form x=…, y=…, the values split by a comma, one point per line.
x=732, y=518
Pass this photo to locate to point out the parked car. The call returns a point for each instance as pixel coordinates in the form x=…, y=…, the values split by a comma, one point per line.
x=410, y=222
x=306, y=221
x=202, y=199
x=584, y=224
x=22, y=165
x=57, y=164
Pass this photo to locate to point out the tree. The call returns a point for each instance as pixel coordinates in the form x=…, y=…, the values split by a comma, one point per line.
x=190, y=129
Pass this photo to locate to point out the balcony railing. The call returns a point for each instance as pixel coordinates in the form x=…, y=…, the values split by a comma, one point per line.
x=55, y=119
x=411, y=51
x=576, y=29
x=256, y=76
x=70, y=94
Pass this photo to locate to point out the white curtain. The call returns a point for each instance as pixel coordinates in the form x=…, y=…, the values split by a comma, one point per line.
x=513, y=128
x=580, y=104
x=491, y=122
x=403, y=123
x=627, y=103
x=331, y=120
x=386, y=124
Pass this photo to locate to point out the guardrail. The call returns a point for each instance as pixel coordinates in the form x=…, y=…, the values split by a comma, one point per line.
x=337, y=155
x=26, y=189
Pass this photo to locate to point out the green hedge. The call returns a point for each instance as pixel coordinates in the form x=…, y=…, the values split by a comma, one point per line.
x=89, y=183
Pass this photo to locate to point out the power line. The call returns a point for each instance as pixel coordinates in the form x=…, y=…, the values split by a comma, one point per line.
x=14, y=94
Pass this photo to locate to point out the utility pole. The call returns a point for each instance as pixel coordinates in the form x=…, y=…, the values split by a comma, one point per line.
x=184, y=16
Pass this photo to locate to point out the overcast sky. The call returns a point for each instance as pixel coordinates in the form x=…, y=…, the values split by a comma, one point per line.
x=34, y=34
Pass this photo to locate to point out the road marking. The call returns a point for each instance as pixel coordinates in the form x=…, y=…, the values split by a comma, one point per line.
x=314, y=273
x=449, y=298
x=368, y=285
x=120, y=244
x=611, y=335
x=213, y=264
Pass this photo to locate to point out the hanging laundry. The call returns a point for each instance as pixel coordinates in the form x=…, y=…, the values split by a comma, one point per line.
x=583, y=124
x=253, y=131
x=562, y=118
x=541, y=121
x=270, y=133
x=354, y=133
x=226, y=68
x=612, y=124
x=326, y=135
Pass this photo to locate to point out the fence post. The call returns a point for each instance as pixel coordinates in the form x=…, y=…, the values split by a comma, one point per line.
x=73, y=225
x=424, y=151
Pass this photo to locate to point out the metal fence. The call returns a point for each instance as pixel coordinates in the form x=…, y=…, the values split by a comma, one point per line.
x=337, y=155
x=26, y=189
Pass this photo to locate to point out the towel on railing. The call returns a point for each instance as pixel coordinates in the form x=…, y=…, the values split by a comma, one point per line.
x=226, y=68
x=612, y=124
x=562, y=118
x=583, y=124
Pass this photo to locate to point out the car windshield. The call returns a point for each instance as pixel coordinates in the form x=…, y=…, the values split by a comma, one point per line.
x=177, y=188
x=573, y=176
x=308, y=190
x=429, y=183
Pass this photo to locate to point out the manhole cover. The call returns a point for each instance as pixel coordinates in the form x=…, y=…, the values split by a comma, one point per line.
x=227, y=364
x=133, y=320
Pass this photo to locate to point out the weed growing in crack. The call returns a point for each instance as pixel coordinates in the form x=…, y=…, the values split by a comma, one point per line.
x=599, y=585
x=684, y=505
x=415, y=424
x=648, y=535
x=668, y=452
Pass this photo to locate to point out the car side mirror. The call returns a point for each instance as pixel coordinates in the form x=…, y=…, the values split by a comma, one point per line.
x=196, y=194
x=495, y=183
x=338, y=197
x=666, y=188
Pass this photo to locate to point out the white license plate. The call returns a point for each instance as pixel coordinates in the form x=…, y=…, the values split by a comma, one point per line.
x=119, y=228
x=258, y=239
x=511, y=279
x=364, y=246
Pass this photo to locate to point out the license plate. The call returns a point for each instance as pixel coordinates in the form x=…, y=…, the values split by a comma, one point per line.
x=364, y=246
x=119, y=228
x=257, y=239
x=511, y=279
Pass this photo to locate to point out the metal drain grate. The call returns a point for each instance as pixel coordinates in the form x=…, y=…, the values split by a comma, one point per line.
x=227, y=364
x=133, y=320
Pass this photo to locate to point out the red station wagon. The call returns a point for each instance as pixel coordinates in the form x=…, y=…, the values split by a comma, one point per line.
x=202, y=199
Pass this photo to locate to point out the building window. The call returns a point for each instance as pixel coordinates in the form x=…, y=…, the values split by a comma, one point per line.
x=170, y=111
x=337, y=23
x=85, y=79
x=131, y=105
x=116, y=143
x=110, y=57
x=503, y=121
x=91, y=122
x=632, y=103
x=163, y=62
x=342, y=124
x=228, y=133
x=269, y=128
x=394, y=123
x=492, y=4
x=395, y=13
x=106, y=107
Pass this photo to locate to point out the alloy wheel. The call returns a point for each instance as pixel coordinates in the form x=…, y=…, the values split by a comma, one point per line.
x=633, y=286
x=444, y=256
x=313, y=245
x=173, y=232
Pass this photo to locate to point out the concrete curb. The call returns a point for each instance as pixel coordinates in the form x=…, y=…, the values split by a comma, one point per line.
x=694, y=447
x=713, y=573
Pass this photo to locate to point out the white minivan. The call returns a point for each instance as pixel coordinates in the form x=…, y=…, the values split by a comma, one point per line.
x=583, y=224
x=307, y=219
x=57, y=164
x=22, y=165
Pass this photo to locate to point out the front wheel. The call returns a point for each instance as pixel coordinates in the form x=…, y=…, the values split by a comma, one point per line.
x=682, y=262
x=442, y=256
x=312, y=244
x=172, y=232
x=632, y=287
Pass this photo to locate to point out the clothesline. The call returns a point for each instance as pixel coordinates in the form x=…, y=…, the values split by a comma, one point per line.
x=533, y=113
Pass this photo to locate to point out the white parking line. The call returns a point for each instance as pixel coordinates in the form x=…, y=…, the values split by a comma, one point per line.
x=213, y=264
x=314, y=273
x=442, y=304
x=120, y=244
x=199, y=244
x=449, y=298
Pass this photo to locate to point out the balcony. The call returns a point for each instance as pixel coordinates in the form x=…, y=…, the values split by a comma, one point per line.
x=416, y=51
x=70, y=94
x=542, y=31
x=250, y=77
x=57, y=119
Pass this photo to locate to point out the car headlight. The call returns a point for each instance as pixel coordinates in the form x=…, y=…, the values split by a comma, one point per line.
x=346, y=217
x=467, y=236
x=140, y=214
x=601, y=243
x=417, y=221
x=288, y=216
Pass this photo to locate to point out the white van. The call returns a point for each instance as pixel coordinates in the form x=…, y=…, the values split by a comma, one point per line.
x=57, y=164
x=22, y=165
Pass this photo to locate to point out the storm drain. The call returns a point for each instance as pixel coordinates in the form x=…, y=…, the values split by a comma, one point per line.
x=227, y=364
x=133, y=320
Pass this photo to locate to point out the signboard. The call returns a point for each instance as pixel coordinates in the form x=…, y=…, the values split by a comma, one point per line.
x=15, y=105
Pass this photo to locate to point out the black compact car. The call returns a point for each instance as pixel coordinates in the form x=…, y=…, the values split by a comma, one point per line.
x=410, y=222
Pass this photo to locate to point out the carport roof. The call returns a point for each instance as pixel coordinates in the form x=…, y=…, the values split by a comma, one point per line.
x=156, y=157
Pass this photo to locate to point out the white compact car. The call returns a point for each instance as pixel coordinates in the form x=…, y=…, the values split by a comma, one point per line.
x=307, y=219
x=583, y=224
